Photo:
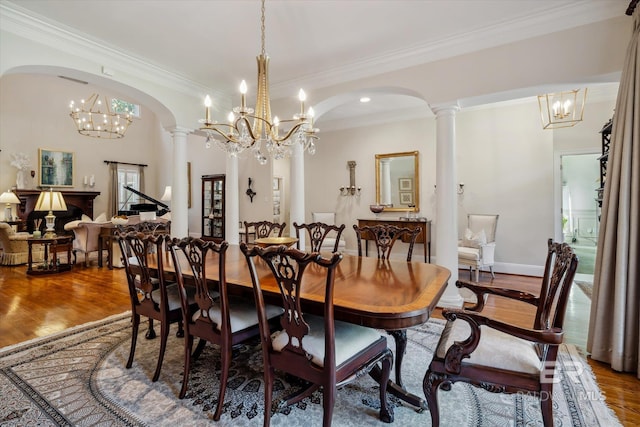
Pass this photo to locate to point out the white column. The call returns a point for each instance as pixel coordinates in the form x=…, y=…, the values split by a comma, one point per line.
x=232, y=202
x=446, y=228
x=385, y=181
x=179, y=185
x=297, y=190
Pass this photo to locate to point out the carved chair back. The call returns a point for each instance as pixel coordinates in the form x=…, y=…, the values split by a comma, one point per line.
x=317, y=232
x=265, y=228
x=385, y=236
x=306, y=345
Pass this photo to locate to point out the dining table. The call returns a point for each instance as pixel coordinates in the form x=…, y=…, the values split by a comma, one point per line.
x=382, y=294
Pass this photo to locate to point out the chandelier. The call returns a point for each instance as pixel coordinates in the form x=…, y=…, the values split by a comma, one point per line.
x=264, y=136
x=562, y=109
x=96, y=119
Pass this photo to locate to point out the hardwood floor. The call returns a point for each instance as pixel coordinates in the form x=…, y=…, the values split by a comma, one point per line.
x=35, y=306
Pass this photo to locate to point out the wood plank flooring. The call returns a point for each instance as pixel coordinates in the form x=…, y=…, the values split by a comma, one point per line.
x=35, y=306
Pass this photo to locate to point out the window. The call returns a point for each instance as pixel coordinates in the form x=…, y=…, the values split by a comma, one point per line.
x=120, y=106
x=130, y=176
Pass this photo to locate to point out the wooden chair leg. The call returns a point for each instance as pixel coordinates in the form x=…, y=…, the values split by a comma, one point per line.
x=164, y=334
x=188, y=344
x=225, y=364
x=477, y=274
x=268, y=395
x=135, y=324
x=386, y=411
x=492, y=273
x=328, y=402
x=546, y=404
x=430, y=385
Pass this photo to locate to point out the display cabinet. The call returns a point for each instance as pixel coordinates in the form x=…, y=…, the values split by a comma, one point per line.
x=213, y=206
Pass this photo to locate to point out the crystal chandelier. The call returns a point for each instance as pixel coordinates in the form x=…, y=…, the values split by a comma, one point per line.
x=264, y=136
x=93, y=118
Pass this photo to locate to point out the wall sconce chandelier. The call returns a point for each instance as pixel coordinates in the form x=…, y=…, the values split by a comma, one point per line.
x=351, y=189
x=96, y=119
x=239, y=134
x=562, y=109
x=459, y=190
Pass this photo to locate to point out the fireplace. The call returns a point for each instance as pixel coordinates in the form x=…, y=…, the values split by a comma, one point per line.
x=78, y=203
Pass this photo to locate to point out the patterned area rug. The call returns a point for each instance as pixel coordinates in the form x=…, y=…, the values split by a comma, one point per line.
x=78, y=378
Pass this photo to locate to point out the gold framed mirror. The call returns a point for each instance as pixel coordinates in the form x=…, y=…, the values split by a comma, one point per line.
x=398, y=181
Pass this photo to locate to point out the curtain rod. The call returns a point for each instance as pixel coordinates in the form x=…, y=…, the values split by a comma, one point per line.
x=125, y=163
x=631, y=7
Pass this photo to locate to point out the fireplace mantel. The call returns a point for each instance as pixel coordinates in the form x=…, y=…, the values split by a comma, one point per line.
x=80, y=199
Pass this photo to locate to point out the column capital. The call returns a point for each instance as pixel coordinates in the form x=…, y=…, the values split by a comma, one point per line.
x=179, y=130
x=446, y=107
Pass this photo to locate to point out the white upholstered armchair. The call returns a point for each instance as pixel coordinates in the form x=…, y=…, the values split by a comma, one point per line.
x=86, y=235
x=477, y=248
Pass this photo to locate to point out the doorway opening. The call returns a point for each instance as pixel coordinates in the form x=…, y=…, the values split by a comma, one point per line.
x=580, y=212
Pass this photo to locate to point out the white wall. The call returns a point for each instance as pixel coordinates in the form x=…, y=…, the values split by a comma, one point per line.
x=505, y=159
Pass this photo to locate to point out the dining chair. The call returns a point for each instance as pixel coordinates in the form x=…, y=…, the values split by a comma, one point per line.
x=264, y=229
x=320, y=350
x=318, y=232
x=217, y=317
x=385, y=236
x=151, y=294
x=501, y=357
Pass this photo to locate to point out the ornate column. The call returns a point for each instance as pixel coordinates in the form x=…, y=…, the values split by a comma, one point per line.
x=179, y=184
x=232, y=202
x=297, y=190
x=446, y=227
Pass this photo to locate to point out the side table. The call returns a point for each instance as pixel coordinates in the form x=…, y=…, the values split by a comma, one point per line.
x=52, y=246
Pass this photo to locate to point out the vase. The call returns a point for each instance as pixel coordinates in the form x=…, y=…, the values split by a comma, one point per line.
x=21, y=179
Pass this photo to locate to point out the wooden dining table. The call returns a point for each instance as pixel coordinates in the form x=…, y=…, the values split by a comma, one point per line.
x=382, y=294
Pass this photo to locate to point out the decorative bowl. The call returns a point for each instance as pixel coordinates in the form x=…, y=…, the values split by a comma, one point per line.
x=376, y=209
x=275, y=241
x=119, y=221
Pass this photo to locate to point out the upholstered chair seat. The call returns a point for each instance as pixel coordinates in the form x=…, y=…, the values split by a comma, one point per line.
x=15, y=249
x=242, y=314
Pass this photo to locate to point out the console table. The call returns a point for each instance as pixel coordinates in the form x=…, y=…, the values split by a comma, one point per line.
x=424, y=237
x=52, y=246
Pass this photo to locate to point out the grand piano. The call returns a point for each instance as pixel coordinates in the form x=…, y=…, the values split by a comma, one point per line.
x=135, y=209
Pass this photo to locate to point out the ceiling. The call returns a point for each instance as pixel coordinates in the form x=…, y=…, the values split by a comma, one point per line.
x=312, y=43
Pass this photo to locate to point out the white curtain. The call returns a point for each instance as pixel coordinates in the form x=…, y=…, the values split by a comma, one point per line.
x=614, y=326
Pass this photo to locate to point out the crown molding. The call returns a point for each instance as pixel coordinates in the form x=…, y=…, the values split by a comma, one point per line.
x=550, y=20
x=26, y=24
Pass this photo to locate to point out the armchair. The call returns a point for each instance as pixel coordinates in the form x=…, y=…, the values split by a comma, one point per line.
x=86, y=234
x=500, y=357
x=477, y=249
x=15, y=250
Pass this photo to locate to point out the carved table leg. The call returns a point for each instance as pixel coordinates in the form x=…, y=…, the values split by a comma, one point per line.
x=400, y=337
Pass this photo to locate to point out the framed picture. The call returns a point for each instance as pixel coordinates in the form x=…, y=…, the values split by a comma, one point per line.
x=405, y=184
x=56, y=168
x=406, y=198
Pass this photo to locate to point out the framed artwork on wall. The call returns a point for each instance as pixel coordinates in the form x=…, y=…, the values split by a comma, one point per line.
x=56, y=168
x=405, y=184
x=406, y=198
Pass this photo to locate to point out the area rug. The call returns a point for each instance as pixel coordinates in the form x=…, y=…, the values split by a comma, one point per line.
x=78, y=378
x=586, y=287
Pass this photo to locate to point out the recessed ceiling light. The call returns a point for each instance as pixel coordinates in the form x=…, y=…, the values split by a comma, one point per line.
x=365, y=99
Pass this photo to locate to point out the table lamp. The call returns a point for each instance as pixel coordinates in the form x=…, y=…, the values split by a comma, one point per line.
x=50, y=201
x=9, y=198
x=166, y=197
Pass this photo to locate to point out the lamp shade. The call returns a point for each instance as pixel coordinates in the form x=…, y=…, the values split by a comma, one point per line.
x=9, y=197
x=166, y=197
x=50, y=201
